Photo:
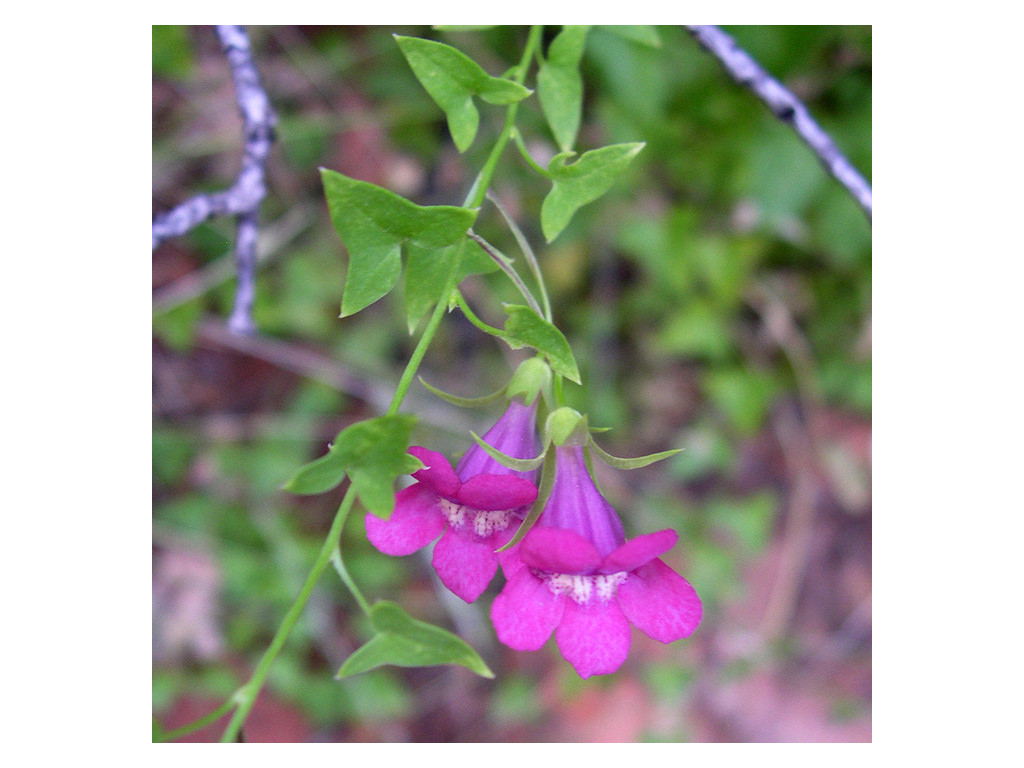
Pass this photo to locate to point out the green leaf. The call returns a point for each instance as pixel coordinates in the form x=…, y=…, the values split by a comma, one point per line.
x=560, y=86
x=426, y=273
x=644, y=34
x=372, y=453
x=317, y=476
x=373, y=224
x=573, y=186
x=525, y=328
x=452, y=79
x=634, y=463
x=407, y=642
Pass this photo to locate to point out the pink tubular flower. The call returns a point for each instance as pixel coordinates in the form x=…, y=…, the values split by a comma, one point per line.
x=578, y=576
x=474, y=508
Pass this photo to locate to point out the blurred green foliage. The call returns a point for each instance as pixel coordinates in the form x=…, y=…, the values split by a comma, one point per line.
x=655, y=287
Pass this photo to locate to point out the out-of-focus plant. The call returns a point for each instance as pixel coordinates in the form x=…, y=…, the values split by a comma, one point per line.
x=696, y=295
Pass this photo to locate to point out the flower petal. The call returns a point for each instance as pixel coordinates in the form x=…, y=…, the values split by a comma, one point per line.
x=492, y=492
x=415, y=522
x=437, y=474
x=526, y=612
x=465, y=564
x=594, y=638
x=638, y=551
x=660, y=602
x=559, y=551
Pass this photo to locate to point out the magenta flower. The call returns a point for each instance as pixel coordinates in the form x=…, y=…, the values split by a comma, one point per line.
x=475, y=508
x=576, y=575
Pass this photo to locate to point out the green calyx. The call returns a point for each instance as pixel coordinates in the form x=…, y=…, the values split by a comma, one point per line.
x=532, y=378
x=566, y=426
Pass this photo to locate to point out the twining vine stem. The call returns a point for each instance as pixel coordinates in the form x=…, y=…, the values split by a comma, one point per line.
x=245, y=697
x=785, y=106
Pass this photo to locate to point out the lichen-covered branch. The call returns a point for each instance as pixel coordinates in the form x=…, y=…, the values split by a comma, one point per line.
x=243, y=198
x=785, y=106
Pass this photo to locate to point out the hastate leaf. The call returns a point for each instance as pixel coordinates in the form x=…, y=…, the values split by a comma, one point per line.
x=452, y=79
x=407, y=642
x=582, y=182
x=372, y=453
x=426, y=273
x=375, y=453
x=317, y=476
x=525, y=328
x=560, y=86
x=374, y=223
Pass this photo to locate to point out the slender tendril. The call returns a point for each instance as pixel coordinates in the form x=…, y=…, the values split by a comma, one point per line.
x=531, y=259
x=504, y=263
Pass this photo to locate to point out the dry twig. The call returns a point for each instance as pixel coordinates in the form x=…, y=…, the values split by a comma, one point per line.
x=243, y=198
x=785, y=106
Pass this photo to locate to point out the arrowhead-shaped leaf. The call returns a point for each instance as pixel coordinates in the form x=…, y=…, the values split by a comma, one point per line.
x=407, y=642
x=525, y=328
x=373, y=453
x=373, y=224
x=317, y=476
x=452, y=79
x=573, y=186
x=426, y=272
x=560, y=86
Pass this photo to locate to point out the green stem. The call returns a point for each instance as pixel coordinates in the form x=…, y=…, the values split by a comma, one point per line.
x=483, y=179
x=428, y=334
x=471, y=316
x=559, y=396
x=245, y=696
x=521, y=145
x=202, y=722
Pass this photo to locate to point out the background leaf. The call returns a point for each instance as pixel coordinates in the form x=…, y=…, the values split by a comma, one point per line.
x=644, y=34
x=452, y=79
x=525, y=328
x=407, y=642
x=560, y=86
x=573, y=186
x=373, y=224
